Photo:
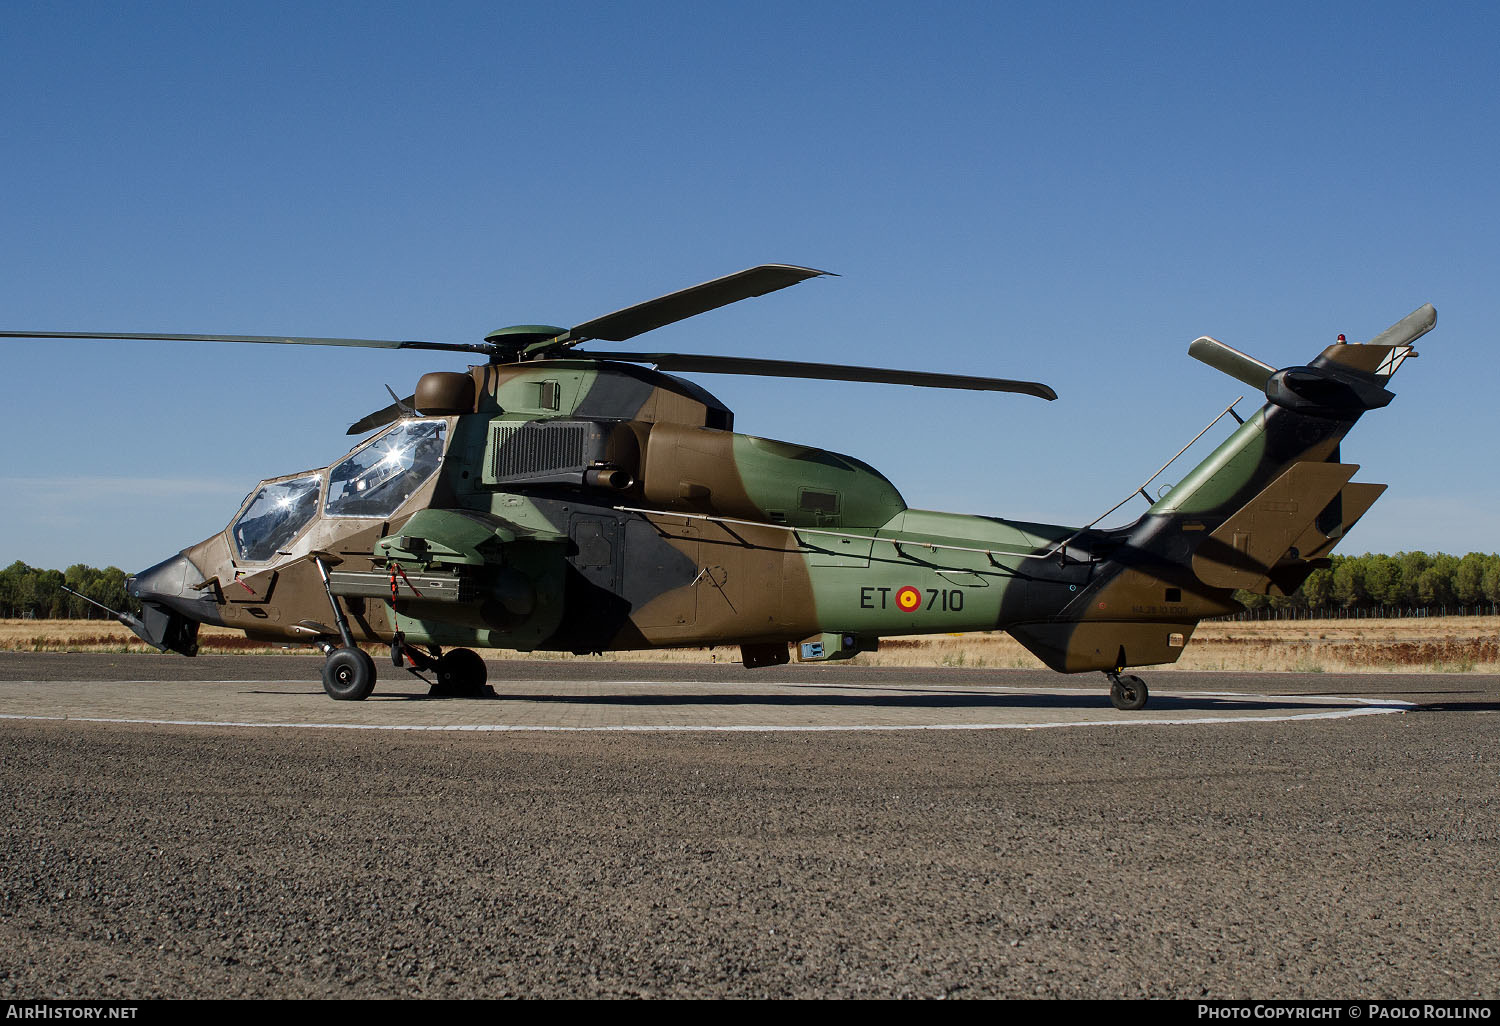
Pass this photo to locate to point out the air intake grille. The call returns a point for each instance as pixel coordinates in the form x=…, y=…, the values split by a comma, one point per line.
x=525, y=450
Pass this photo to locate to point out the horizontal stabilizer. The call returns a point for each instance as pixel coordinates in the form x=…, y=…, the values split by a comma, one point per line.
x=1231, y=361
x=1241, y=553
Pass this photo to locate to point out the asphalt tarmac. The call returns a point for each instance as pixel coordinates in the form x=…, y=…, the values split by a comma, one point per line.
x=219, y=828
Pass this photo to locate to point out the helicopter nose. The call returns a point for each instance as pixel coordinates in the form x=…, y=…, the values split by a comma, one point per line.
x=170, y=583
x=171, y=607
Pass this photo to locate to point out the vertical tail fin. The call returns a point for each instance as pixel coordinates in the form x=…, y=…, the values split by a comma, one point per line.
x=1275, y=499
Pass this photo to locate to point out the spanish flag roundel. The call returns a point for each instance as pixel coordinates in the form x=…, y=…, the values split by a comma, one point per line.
x=908, y=600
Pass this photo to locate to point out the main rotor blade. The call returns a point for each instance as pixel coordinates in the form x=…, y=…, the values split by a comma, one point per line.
x=655, y=313
x=363, y=343
x=384, y=416
x=825, y=371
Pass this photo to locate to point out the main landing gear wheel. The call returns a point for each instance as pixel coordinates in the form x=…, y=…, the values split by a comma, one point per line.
x=1128, y=693
x=348, y=675
x=460, y=673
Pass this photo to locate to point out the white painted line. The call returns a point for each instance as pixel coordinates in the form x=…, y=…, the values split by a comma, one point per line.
x=1366, y=707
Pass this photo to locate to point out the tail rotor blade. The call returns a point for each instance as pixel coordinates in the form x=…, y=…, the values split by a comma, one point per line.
x=1407, y=330
x=1231, y=361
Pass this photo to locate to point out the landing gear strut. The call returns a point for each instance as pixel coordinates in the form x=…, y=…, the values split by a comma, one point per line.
x=1127, y=693
x=348, y=671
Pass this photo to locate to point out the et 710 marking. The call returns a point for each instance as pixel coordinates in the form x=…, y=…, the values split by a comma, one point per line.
x=950, y=600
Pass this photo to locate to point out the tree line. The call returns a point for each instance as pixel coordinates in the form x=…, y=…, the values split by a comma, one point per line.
x=1398, y=585
x=26, y=591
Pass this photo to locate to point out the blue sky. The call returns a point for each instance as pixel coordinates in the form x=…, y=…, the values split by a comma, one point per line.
x=1062, y=192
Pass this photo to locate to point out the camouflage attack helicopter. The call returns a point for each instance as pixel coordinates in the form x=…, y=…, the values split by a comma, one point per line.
x=557, y=499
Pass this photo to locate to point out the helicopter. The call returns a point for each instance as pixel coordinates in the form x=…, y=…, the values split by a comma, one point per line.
x=553, y=498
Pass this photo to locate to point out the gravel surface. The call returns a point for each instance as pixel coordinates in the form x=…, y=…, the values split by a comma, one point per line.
x=1342, y=858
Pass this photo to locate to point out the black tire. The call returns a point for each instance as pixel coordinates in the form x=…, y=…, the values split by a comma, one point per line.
x=1129, y=693
x=461, y=673
x=348, y=675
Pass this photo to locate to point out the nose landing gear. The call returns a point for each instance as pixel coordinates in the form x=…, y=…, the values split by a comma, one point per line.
x=348, y=671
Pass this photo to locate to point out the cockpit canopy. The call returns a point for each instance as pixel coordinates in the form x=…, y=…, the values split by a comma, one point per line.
x=372, y=481
x=275, y=514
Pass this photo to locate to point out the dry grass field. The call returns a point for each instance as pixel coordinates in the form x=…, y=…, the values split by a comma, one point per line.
x=1454, y=644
